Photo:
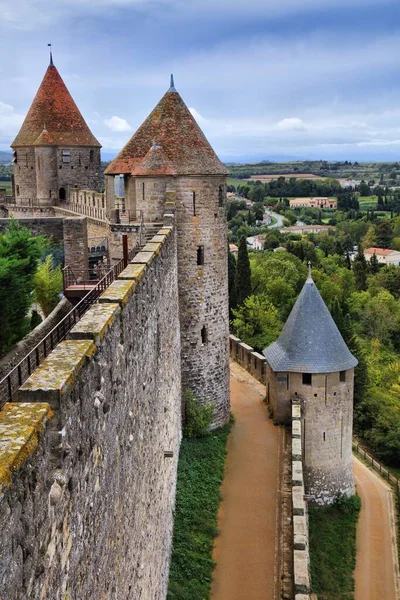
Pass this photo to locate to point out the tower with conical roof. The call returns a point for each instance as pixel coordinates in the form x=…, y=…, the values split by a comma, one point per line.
x=311, y=364
x=170, y=156
x=54, y=149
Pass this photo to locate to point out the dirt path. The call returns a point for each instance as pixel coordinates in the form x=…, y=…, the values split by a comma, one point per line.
x=246, y=549
x=376, y=555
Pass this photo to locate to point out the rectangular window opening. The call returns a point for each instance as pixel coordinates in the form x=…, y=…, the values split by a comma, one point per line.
x=307, y=379
x=324, y=437
x=204, y=335
x=194, y=204
x=342, y=376
x=200, y=255
x=221, y=196
x=66, y=156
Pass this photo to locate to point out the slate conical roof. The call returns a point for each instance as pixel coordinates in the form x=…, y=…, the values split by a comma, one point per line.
x=173, y=127
x=53, y=105
x=310, y=341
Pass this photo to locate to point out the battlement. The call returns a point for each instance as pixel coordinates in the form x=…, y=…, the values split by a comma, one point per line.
x=83, y=471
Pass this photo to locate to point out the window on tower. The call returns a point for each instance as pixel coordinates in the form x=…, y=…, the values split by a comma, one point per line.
x=194, y=204
x=307, y=379
x=66, y=156
x=17, y=190
x=221, y=196
x=15, y=157
x=204, y=335
x=91, y=155
x=342, y=376
x=200, y=255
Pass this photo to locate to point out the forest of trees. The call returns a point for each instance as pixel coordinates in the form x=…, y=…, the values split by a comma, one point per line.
x=364, y=300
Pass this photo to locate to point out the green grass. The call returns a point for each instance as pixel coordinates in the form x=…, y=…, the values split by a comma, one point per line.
x=234, y=181
x=7, y=185
x=333, y=548
x=200, y=474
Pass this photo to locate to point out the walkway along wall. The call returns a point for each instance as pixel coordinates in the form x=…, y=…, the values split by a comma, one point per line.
x=256, y=365
x=88, y=456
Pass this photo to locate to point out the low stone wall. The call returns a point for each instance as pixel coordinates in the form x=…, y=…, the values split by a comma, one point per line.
x=31, y=340
x=28, y=212
x=50, y=226
x=301, y=549
x=88, y=456
x=250, y=360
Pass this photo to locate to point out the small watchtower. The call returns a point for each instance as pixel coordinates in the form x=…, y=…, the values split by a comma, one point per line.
x=311, y=364
x=54, y=149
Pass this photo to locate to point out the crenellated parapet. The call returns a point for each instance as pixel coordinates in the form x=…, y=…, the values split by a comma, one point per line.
x=89, y=453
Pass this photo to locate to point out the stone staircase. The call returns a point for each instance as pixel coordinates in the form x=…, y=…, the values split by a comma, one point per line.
x=150, y=230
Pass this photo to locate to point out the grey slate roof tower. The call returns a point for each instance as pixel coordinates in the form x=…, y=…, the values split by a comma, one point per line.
x=310, y=341
x=310, y=364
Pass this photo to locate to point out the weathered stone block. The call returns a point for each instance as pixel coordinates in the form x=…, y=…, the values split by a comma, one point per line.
x=296, y=411
x=143, y=258
x=119, y=291
x=296, y=449
x=95, y=323
x=297, y=473
x=20, y=427
x=301, y=574
x=298, y=502
x=133, y=272
x=296, y=429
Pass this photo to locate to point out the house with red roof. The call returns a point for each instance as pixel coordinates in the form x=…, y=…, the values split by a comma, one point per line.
x=385, y=256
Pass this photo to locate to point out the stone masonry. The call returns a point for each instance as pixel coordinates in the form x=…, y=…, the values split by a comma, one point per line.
x=89, y=453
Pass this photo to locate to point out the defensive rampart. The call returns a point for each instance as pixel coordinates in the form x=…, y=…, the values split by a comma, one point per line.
x=89, y=453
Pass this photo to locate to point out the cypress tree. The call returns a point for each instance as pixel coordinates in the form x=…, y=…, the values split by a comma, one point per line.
x=231, y=283
x=360, y=270
x=243, y=273
x=374, y=264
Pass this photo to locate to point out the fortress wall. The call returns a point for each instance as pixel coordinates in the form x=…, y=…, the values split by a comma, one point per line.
x=50, y=226
x=87, y=497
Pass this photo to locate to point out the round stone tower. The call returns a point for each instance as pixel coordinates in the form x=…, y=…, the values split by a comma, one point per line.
x=167, y=157
x=54, y=149
x=311, y=364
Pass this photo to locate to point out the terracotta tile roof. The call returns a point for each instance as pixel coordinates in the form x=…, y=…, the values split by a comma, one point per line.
x=154, y=163
x=172, y=127
x=54, y=106
x=379, y=251
x=44, y=139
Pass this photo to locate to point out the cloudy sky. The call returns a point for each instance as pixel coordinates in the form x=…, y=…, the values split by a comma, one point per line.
x=264, y=78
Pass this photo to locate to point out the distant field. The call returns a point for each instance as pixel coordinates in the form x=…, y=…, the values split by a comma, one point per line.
x=286, y=175
x=6, y=185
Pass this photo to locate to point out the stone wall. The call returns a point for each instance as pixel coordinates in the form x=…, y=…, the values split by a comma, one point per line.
x=50, y=226
x=301, y=543
x=76, y=244
x=25, y=175
x=250, y=360
x=87, y=500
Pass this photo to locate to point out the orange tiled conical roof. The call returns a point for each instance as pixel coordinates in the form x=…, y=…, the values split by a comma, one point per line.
x=172, y=127
x=53, y=105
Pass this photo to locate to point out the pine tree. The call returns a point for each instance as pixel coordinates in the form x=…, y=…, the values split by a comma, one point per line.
x=337, y=313
x=243, y=273
x=360, y=270
x=231, y=283
x=48, y=285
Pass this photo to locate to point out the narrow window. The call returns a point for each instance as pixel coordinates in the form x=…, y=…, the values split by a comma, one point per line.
x=15, y=157
x=91, y=156
x=324, y=437
x=38, y=163
x=204, y=337
x=49, y=193
x=26, y=159
x=143, y=190
x=287, y=381
x=221, y=196
x=194, y=204
x=17, y=190
x=342, y=376
x=307, y=379
x=79, y=160
x=200, y=255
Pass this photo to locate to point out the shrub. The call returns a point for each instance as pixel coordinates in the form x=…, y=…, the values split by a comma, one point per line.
x=36, y=319
x=198, y=417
